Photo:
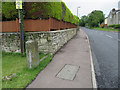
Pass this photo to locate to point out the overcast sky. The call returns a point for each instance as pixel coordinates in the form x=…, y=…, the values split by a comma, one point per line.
x=87, y=6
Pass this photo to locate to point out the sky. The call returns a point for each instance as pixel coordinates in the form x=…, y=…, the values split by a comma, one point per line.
x=87, y=6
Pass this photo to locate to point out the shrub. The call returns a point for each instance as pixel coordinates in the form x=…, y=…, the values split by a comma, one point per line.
x=116, y=26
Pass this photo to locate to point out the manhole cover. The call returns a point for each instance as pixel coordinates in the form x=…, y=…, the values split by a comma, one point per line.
x=68, y=72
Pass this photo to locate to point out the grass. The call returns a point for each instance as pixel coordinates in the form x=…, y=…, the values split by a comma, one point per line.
x=14, y=63
x=106, y=29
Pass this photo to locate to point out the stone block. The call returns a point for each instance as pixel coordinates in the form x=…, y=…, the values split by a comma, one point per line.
x=43, y=41
x=32, y=54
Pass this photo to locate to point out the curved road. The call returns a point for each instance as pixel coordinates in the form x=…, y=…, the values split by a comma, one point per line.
x=104, y=47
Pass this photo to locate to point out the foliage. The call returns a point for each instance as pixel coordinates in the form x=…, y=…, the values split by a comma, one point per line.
x=39, y=10
x=75, y=19
x=9, y=11
x=116, y=26
x=69, y=17
x=106, y=29
x=83, y=20
x=14, y=63
x=95, y=17
x=0, y=11
x=43, y=10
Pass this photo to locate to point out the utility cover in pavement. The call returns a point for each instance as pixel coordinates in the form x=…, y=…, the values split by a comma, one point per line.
x=68, y=72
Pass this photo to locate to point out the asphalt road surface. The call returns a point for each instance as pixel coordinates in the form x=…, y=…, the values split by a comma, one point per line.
x=104, y=46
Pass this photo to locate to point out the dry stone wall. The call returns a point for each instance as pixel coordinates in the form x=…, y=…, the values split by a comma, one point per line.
x=10, y=42
x=48, y=42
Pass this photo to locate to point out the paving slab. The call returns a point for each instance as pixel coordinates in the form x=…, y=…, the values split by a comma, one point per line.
x=76, y=53
x=68, y=72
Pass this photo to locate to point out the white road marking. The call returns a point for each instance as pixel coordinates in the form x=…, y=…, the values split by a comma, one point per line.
x=112, y=37
x=109, y=36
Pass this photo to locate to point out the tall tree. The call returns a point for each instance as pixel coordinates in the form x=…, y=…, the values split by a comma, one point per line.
x=83, y=20
x=95, y=18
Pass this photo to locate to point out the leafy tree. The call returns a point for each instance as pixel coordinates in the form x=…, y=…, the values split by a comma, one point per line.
x=95, y=18
x=83, y=20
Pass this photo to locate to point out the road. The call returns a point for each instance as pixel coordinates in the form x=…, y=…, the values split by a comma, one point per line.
x=104, y=46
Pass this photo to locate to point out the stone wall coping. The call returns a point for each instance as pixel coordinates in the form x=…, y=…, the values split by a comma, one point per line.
x=9, y=33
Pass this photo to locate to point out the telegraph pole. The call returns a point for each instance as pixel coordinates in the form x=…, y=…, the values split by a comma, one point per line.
x=19, y=7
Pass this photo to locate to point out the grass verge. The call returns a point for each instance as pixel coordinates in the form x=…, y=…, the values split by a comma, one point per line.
x=106, y=29
x=14, y=63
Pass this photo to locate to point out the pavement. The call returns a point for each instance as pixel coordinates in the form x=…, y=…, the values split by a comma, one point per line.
x=69, y=68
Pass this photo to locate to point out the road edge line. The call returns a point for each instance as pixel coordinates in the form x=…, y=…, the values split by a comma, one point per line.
x=94, y=82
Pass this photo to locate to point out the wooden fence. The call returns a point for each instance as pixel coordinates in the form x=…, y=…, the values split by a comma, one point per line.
x=36, y=25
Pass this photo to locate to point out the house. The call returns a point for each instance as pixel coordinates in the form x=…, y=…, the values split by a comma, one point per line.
x=106, y=20
x=114, y=16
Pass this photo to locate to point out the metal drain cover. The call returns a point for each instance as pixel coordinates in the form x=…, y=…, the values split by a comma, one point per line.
x=68, y=72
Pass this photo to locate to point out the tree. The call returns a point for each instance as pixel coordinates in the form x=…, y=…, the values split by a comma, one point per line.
x=83, y=20
x=95, y=18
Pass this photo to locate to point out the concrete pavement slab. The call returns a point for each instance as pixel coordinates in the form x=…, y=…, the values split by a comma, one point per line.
x=68, y=72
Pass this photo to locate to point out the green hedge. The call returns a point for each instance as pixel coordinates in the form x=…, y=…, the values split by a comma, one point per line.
x=43, y=10
x=39, y=10
x=69, y=17
x=116, y=26
x=9, y=11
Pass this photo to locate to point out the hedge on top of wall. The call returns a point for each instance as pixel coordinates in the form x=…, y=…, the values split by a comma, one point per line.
x=43, y=10
x=39, y=10
x=9, y=11
x=68, y=16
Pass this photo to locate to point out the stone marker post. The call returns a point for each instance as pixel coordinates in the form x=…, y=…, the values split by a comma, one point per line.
x=32, y=54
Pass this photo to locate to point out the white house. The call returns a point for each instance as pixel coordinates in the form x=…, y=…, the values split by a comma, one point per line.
x=114, y=16
x=106, y=20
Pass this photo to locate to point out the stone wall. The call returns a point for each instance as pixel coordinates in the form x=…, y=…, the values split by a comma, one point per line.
x=48, y=42
x=10, y=42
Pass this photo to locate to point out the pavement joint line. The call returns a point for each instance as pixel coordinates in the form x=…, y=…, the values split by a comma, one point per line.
x=94, y=82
